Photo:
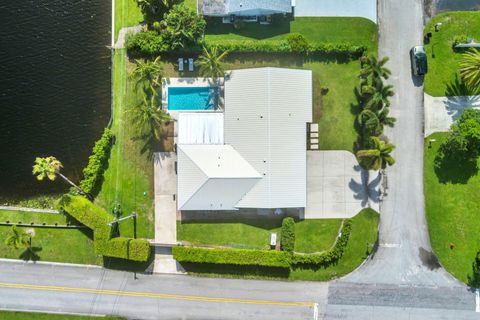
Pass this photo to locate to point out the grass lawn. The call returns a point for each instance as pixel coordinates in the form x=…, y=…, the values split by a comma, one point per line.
x=14, y=315
x=61, y=245
x=362, y=238
x=311, y=235
x=127, y=14
x=129, y=177
x=453, y=214
x=358, y=31
x=332, y=111
x=443, y=67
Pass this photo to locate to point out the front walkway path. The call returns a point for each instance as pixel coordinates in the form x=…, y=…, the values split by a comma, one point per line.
x=441, y=112
x=336, y=185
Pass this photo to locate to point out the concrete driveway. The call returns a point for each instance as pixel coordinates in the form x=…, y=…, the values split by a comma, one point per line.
x=441, y=112
x=337, y=8
x=336, y=185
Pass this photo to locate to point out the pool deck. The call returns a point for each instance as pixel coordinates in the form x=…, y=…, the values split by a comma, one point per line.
x=192, y=82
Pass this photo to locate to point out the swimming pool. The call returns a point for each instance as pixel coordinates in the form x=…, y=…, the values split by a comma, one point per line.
x=192, y=98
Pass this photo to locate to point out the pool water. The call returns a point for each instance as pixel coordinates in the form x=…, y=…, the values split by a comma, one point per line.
x=191, y=98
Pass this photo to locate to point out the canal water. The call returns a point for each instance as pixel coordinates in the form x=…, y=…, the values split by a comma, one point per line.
x=55, y=85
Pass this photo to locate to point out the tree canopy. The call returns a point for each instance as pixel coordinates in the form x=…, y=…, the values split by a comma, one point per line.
x=182, y=27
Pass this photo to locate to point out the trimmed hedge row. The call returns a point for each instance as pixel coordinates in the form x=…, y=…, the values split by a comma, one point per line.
x=327, y=258
x=151, y=43
x=97, y=219
x=264, y=258
x=287, y=234
x=97, y=162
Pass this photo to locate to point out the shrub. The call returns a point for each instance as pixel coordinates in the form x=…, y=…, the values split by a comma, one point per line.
x=287, y=239
x=297, y=42
x=182, y=27
x=239, y=24
x=327, y=258
x=152, y=43
x=97, y=219
x=266, y=258
x=97, y=163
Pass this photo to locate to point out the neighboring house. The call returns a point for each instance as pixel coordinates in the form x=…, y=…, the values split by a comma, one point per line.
x=243, y=8
x=253, y=155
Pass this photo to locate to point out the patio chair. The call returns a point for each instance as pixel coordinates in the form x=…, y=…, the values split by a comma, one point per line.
x=180, y=64
x=190, y=64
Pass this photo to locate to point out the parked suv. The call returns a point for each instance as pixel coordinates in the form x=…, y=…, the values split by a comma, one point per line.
x=418, y=59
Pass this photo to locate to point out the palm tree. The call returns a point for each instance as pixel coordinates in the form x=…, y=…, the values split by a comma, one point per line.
x=148, y=118
x=211, y=63
x=18, y=239
x=49, y=167
x=384, y=119
x=377, y=96
x=470, y=69
x=378, y=157
x=371, y=66
x=370, y=123
x=148, y=72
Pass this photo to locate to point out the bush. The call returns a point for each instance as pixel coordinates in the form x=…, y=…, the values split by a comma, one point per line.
x=265, y=258
x=287, y=240
x=97, y=219
x=297, y=42
x=151, y=43
x=182, y=27
x=327, y=258
x=97, y=163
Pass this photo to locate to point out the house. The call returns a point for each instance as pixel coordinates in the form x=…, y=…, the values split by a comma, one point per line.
x=252, y=155
x=243, y=8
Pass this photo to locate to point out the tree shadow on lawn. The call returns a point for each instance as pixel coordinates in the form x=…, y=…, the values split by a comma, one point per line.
x=31, y=254
x=455, y=169
x=474, y=278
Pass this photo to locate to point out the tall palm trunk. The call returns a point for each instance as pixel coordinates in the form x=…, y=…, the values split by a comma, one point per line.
x=70, y=182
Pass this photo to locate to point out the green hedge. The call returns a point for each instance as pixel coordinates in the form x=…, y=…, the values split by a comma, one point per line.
x=327, y=258
x=150, y=43
x=287, y=240
x=97, y=162
x=265, y=258
x=97, y=219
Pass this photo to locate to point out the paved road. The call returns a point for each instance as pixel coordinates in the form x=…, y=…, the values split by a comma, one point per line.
x=404, y=255
x=54, y=288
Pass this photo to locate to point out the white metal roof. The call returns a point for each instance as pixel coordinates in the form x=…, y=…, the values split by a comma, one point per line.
x=266, y=112
x=200, y=128
x=212, y=177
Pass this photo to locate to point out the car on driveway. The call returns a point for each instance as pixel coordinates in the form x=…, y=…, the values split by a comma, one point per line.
x=418, y=58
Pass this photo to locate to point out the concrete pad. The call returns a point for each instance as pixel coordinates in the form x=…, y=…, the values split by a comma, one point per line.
x=165, y=219
x=314, y=141
x=165, y=200
x=337, y=186
x=337, y=8
x=441, y=112
x=164, y=262
x=165, y=177
x=313, y=134
x=314, y=127
x=314, y=147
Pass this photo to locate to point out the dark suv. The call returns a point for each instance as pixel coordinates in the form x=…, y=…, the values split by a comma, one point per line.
x=418, y=58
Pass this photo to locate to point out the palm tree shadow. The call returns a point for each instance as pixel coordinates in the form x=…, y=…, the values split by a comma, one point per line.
x=31, y=254
x=459, y=98
x=366, y=190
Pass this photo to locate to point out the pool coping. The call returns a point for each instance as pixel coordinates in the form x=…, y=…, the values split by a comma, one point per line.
x=191, y=82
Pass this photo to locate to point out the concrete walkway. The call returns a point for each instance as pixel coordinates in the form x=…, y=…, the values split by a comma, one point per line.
x=165, y=212
x=337, y=8
x=122, y=35
x=11, y=208
x=336, y=185
x=441, y=112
